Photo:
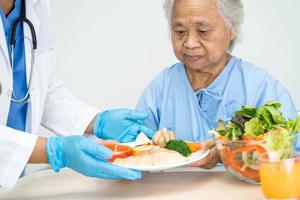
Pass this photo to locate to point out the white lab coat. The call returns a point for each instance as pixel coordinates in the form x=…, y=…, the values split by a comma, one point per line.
x=51, y=105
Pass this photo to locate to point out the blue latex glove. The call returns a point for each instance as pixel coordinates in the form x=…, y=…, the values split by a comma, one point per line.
x=123, y=125
x=86, y=157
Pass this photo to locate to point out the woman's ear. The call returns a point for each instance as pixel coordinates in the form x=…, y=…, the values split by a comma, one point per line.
x=233, y=32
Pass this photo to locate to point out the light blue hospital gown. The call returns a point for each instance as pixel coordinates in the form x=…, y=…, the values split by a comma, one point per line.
x=171, y=102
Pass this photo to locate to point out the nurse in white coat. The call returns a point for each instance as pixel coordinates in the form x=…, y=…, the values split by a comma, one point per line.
x=50, y=105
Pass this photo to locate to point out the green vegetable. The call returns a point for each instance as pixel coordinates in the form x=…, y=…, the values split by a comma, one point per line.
x=266, y=125
x=281, y=141
x=250, y=159
x=234, y=131
x=180, y=146
x=297, y=124
x=221, y=128
x=246, y=111
x=276, y=115
x=240, y=120
x=257, y=121
x=231, y=130
x=275, y=104
x=280, y=134
x=254, y=128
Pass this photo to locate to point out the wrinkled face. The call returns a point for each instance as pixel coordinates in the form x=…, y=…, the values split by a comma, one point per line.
x=199, y=35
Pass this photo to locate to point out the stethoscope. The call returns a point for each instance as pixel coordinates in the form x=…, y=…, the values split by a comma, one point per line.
x=23, y=19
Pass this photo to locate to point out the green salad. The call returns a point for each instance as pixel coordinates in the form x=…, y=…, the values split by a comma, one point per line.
x=265, y=123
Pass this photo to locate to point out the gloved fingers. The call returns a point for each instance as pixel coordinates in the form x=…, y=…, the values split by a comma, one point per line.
x=106, y=176
x=111, y=171
x=128, y=137
x=129, y=134
x=148, y=132
x=94, y=167
x=99, y=123
x=136, y=115
x=94, y=149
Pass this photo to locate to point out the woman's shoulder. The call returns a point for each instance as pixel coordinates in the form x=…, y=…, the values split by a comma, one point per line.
x=261, y=86
x=253, y=72
x=257, y=77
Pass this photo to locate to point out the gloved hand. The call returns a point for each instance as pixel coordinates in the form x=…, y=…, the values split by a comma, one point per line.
x=86, y=157
x=123, y=125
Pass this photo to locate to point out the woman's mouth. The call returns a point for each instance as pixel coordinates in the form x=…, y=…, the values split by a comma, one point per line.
x=192, y=58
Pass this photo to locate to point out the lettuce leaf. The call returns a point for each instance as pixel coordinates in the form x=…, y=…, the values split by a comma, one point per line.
x=276, y=115
x=274, y=104
x=280, y=140
x=297, y=124
x=235, y=132
x=257, y=121
x=231, y=130
x=254, y=127
x=246, y=111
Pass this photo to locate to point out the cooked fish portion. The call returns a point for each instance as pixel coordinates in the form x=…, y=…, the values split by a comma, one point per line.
x=155, y=156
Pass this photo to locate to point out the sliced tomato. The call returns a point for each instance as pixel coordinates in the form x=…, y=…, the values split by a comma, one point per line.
x=251, y=147
x=119, y=151
x=250, y=173
x=236, y=163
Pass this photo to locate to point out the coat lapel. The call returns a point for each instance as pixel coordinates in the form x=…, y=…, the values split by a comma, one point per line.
x=31, y=15
x=3, y=45
x=5, y=77
x=31, y=6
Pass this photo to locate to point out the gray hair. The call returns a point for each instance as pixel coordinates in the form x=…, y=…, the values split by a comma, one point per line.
x=231, y=11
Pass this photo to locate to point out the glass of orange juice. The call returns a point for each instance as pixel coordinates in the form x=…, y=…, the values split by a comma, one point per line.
x=281, y=179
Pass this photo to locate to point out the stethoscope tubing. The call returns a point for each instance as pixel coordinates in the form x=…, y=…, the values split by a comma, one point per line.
x=33, y=40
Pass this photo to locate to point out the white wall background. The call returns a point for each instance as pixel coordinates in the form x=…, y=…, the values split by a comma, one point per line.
x=109, y=50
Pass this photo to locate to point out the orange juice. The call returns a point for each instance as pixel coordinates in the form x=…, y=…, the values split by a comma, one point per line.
x=281, y=180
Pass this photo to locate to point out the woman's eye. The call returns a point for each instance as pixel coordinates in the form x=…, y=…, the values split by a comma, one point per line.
x=179, y=32
x=203, y=32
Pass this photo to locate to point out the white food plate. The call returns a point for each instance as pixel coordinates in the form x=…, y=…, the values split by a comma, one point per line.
x=196, y=156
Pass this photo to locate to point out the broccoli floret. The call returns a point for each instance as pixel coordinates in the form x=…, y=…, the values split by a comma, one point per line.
x=180, y=146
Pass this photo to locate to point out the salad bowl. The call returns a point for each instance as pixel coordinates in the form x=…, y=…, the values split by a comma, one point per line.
x=252, y=135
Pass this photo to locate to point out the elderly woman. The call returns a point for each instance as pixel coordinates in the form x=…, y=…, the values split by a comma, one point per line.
x=208, y=83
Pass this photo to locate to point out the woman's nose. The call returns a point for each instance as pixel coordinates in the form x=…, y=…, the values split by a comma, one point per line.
x=191, y=41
